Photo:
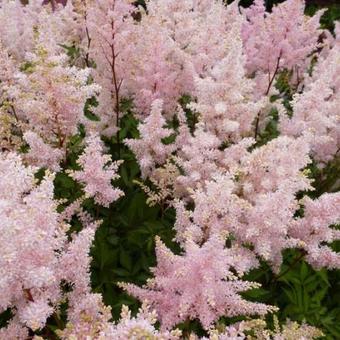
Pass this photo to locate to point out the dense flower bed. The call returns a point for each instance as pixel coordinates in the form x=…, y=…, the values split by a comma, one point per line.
x=185, y=154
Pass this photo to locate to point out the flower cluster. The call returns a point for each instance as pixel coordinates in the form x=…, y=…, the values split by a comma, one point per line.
x=45, y=100
x=97, y=173
x=316, y=108
x=108, y=25
x=36, y=255
x=282, y=39
x=150, y=149
x=22, y=27
x=216, y=287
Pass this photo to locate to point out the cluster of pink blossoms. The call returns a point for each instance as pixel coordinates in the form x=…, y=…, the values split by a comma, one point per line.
x=238, y=189
x=36, y=253
x=236, y=195
x=316, y=109
x=97, y=173
x=285, y=39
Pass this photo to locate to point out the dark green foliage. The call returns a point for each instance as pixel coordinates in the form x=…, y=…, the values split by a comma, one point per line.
x=301, y=293
x=124, y=245
x=331, y=15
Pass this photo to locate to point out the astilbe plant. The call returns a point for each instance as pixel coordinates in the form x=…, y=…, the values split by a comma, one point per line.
x=45, y=100
x=157, y=69
x=203, y=79
x=21, y=26
x=316, y=108
x=97, y=173
x=181, y=42
x=51, y=95
x=216, y=289
x=34, y=248
x=40, y=254
x=284, y=39
x=149, y=148
x=108, y=26
x=249, y=194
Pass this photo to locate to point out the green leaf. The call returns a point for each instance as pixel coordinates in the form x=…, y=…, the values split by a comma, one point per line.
x=125, y=260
